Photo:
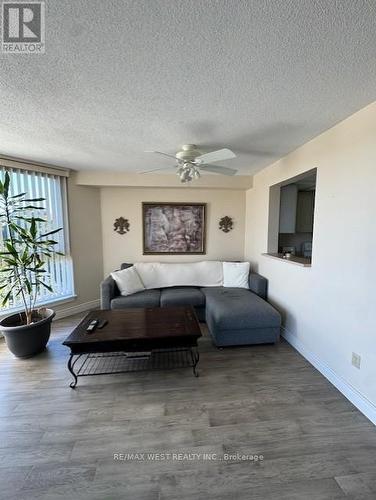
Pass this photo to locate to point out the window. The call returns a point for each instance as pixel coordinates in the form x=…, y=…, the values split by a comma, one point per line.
x=291, y=217
x=52, y=187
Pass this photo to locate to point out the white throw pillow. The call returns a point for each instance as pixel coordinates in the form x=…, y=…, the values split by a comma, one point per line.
x=236, y=274
x=166, y=274
x=128, y=281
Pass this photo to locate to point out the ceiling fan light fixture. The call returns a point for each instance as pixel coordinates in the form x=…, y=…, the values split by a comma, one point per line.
x=186, y=176
x=188, y=172
x=196, y=173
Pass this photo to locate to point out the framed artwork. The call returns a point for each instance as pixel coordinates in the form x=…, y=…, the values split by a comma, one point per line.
x=174, y=228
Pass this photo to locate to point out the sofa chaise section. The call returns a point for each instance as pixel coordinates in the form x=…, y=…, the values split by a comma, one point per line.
x=236, y=316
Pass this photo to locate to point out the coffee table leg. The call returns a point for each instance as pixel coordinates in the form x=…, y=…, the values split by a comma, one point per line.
x=72, y=385
x=195, y=359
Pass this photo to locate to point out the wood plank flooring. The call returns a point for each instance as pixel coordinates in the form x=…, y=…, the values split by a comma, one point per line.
x=59, y=443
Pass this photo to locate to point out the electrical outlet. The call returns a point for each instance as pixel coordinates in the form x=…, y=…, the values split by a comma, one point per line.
x=356, y=360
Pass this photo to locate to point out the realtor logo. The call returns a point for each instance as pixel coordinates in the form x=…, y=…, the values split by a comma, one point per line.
x=23, y=27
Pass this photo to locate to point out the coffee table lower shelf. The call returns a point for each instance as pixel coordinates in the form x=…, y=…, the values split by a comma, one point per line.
x=109, y=363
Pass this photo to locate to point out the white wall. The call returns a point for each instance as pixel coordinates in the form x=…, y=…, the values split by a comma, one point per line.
x=127, y=202
x=330, y=308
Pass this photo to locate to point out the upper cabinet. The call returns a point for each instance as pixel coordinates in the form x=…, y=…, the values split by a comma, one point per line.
x=287, y=212
x=296, y=210
x=304, y=212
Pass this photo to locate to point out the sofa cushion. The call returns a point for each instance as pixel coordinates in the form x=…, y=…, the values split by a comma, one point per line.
x=181, y=296
x=213, y=290
x=146, y=298
x=237, y=308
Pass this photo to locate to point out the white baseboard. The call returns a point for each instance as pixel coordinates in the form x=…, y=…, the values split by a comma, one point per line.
x=357, y=399
x=79, y=308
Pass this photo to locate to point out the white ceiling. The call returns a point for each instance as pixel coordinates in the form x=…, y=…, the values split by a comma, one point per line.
x=119, y=77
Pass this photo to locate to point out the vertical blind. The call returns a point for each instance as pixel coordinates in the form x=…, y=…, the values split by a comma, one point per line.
x=54, y=189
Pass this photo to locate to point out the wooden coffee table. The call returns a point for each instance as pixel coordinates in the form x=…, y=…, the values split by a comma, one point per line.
x=134, y=339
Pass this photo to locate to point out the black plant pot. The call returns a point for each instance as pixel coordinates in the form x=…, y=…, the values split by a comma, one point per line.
x=25, y=341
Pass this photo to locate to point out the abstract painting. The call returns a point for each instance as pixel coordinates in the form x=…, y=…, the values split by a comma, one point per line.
x=174, y=228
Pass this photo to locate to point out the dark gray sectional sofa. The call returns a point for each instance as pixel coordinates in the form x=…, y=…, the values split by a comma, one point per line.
x=235, y=316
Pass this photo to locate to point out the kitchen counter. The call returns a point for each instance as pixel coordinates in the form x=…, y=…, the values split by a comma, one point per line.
x=298, y=261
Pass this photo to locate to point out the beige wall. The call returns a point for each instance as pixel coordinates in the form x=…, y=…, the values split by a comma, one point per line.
x=127, y=202
x=86, y=242
x=161, y=181
x=329, y=309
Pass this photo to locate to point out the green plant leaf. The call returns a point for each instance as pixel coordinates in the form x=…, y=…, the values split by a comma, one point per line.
x=33, y=228
x=6, y=298
x=46, y=286
x=28, y=286
x=28, y=219
x=11, y=249
x=24, y=254
x=17, y=196
x=29, y=207
x=15, y=227
x=6, y=185
x=9, y=261
x=51, y=232
x=34, y=199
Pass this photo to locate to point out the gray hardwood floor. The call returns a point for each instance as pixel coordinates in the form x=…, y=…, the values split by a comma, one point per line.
x=59, y=443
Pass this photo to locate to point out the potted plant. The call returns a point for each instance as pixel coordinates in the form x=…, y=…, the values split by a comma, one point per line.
x=24, y=253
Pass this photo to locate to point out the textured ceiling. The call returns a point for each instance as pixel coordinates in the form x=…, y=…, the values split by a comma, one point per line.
x=119, y=77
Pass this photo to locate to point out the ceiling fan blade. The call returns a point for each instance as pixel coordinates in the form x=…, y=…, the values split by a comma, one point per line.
x=160, y=153
x=214, y=156
x=154, y=170
x=218, y=170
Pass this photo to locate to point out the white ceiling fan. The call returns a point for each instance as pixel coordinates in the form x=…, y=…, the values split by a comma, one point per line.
x=191, y=162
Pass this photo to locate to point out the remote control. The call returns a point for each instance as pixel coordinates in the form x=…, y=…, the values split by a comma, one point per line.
x=92, y=326
x=102, y=323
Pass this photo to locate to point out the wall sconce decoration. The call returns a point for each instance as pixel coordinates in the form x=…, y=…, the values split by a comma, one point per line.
x=226, y=224
x=121, y=225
